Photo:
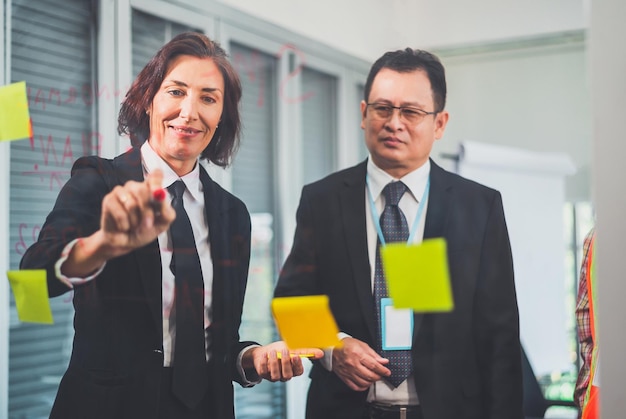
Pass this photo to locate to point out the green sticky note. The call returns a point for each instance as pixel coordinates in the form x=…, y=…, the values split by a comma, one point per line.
x=31, y=295
x=418, y=275
x=14, y=115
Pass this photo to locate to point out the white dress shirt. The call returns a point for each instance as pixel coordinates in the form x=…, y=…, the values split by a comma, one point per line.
x=381, y=391
x=193, y=201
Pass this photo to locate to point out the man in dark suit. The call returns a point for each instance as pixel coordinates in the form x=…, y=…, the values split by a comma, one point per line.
x=463, y=364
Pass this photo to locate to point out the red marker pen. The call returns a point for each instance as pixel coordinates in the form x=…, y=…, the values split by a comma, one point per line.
x=158, y=196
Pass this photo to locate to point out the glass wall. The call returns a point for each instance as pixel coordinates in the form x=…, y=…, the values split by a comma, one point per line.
x=57, y=46
x=52, y=49
x=319, y=125
x=293, y=109
x=149, y=33
x=253, y=181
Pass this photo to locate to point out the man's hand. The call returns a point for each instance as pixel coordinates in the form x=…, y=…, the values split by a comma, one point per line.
x=276, y=362
x=358, y=365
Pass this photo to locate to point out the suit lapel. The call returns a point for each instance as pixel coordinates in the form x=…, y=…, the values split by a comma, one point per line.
x=213, y=205
x=438, y=202
x=352, y=199
x=128, y=167
x=436, y=215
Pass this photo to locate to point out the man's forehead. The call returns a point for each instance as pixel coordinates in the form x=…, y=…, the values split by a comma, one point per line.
x=408, y=87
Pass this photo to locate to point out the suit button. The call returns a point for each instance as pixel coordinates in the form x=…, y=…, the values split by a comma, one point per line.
x=157, y=351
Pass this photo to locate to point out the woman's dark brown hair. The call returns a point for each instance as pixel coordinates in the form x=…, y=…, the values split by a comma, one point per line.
x=134, y=121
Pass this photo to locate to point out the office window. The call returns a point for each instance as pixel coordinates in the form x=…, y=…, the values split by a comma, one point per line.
x=319, y=127
x=52, y=49
x=362, y=149
x=253, y=177
x=150, y=33
x=253, y=168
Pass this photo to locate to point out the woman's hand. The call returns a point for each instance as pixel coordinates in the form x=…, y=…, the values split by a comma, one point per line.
x=276, y=362
x=131, y=218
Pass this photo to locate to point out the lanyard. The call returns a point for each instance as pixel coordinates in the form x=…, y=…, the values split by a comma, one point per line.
x=376, y=217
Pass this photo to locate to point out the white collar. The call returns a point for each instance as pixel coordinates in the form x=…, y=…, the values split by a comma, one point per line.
x=415, y=180
x=151, y=161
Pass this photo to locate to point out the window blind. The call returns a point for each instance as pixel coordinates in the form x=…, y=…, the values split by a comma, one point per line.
x=254, y=180
x=319, y=127
x=52, y=49
x=362, y=150
x=150, y=33
x=253, y=167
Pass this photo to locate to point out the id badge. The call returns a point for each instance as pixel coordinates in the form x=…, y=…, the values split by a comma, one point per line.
x=397, y=326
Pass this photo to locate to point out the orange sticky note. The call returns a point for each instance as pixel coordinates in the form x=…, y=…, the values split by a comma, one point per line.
x=14, y=116
x=305, y=322
x=418, y=276
x=30, y=290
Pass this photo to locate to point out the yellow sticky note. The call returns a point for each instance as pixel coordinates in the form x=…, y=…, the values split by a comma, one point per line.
x=305, y=322
x=418, y=275
x=279, y=355
x=31, y=295
x=14, y=115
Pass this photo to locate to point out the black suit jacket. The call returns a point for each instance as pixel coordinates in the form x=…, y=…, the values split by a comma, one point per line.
x=117, y=357
x=467, y=363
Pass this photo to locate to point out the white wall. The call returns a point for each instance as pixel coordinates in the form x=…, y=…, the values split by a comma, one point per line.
x=458, y=22
x=368, y=28
x=534, y=97
x=344, y=24
x=533, y=188
x=608, y=66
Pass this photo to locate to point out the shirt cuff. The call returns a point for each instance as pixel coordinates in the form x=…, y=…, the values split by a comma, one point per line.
x=70, y=282
x=327, y=359
x=254, y=378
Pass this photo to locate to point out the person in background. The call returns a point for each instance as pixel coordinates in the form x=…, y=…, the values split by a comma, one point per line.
x=158, y=288
x=587, y=384
x=463, y=364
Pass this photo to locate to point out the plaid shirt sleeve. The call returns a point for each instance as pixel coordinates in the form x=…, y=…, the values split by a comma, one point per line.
x=583, y=322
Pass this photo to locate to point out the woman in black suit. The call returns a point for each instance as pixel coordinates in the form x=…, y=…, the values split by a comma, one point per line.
x=109, y=239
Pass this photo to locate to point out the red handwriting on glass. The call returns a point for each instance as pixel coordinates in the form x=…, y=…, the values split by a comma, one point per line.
x=21, y=246
x=69, y=296
x=90, y=142
x=87, y=94
x=302, y=61
x=250, y=69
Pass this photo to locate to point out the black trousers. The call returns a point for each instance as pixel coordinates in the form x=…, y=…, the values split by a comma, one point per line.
x=171, y=408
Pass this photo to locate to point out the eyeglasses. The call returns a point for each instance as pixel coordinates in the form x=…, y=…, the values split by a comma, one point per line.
x=407, y=113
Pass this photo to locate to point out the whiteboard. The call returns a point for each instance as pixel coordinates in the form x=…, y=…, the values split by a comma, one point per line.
x=532, y=185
